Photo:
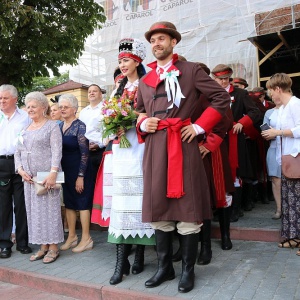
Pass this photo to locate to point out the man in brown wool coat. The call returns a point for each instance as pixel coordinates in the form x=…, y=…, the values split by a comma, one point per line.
x=176, y=191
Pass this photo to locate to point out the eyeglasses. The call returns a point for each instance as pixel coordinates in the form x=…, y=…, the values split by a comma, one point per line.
x=64, y=107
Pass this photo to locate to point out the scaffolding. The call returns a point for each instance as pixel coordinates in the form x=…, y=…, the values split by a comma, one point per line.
x=212, y=31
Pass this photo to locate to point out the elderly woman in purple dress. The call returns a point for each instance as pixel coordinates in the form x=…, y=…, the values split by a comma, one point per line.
x=39, y=149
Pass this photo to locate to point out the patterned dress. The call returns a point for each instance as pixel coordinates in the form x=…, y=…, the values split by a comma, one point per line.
x=37, y=151
x=126, y=224
x=289, y=118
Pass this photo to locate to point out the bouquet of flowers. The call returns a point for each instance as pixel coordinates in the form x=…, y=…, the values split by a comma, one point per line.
x=118, y=114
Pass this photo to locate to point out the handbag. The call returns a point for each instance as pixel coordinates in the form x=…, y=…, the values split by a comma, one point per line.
x=290, y=166
x=40, y=189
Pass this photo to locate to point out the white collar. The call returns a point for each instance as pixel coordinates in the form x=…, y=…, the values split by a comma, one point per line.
x=131, y=85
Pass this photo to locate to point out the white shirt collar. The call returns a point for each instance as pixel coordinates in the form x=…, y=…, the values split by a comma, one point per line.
x=165, y=67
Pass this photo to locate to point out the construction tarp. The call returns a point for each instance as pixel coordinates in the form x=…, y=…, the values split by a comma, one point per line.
x=213, y=32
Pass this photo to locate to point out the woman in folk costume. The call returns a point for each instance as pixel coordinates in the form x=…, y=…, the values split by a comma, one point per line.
x=126, y=227
x=104, y=185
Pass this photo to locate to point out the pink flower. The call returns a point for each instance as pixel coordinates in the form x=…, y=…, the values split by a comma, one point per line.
x=109, y=112
x=124, y=113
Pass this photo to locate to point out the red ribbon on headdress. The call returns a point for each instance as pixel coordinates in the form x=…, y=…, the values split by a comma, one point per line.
x=175, y=157
x=222, y=73
x=129, y=55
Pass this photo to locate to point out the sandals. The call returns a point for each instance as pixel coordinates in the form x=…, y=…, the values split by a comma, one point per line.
x=289, y=243
x=51, y=257
x=277, y=215
x=38, y=255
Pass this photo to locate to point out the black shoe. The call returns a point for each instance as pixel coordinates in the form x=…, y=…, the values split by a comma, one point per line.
x=5, y=253
x=24, y=250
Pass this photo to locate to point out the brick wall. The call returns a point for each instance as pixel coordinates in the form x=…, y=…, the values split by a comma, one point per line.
x=277, y=20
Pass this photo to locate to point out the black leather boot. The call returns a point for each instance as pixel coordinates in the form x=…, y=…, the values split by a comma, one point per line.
x=270, y=191
x=248, y=196
x=189, y=248
x=262, y=191
x=236, y=205
x=122, y=264
x=205, y=255
x=224, y=221
x=165, y=270
x=138, y=265
x=177, y=256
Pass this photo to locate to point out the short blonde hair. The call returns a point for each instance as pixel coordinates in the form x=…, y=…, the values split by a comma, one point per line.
x=281, y=80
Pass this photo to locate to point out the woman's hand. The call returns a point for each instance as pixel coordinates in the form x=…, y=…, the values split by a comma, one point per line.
x=203, y=151
x=270, y=134
x=120, y=132
x=79, y=185
x=50, y=180
x=26, y=177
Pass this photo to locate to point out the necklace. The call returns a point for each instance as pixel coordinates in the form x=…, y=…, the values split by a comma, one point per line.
x=38, y=124
x=67, y=124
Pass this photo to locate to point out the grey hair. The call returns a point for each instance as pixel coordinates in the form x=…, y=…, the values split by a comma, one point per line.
x=10, y=88
x=70, y=98
x=37, y=96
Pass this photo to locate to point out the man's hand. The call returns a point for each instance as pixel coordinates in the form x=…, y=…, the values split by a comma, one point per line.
x=203, y=151
x=93, y=146
x=140, y=117
x=188, y=133
x=151, y=124
x=237, y=128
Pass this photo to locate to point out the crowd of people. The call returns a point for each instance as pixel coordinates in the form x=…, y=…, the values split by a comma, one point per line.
x=203, y=147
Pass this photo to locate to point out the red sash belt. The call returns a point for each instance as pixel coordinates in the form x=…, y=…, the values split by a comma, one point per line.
x=218, y=175
x=175, y=157
x=233, y=153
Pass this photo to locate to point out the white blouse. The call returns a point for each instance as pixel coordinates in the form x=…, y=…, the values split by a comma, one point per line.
x=289, y=118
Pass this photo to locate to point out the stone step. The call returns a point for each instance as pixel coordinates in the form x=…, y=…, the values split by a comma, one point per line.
x=248, y=234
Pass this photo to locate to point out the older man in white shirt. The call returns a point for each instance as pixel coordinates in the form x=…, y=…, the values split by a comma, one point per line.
x=91, y=116
x=12, y=121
